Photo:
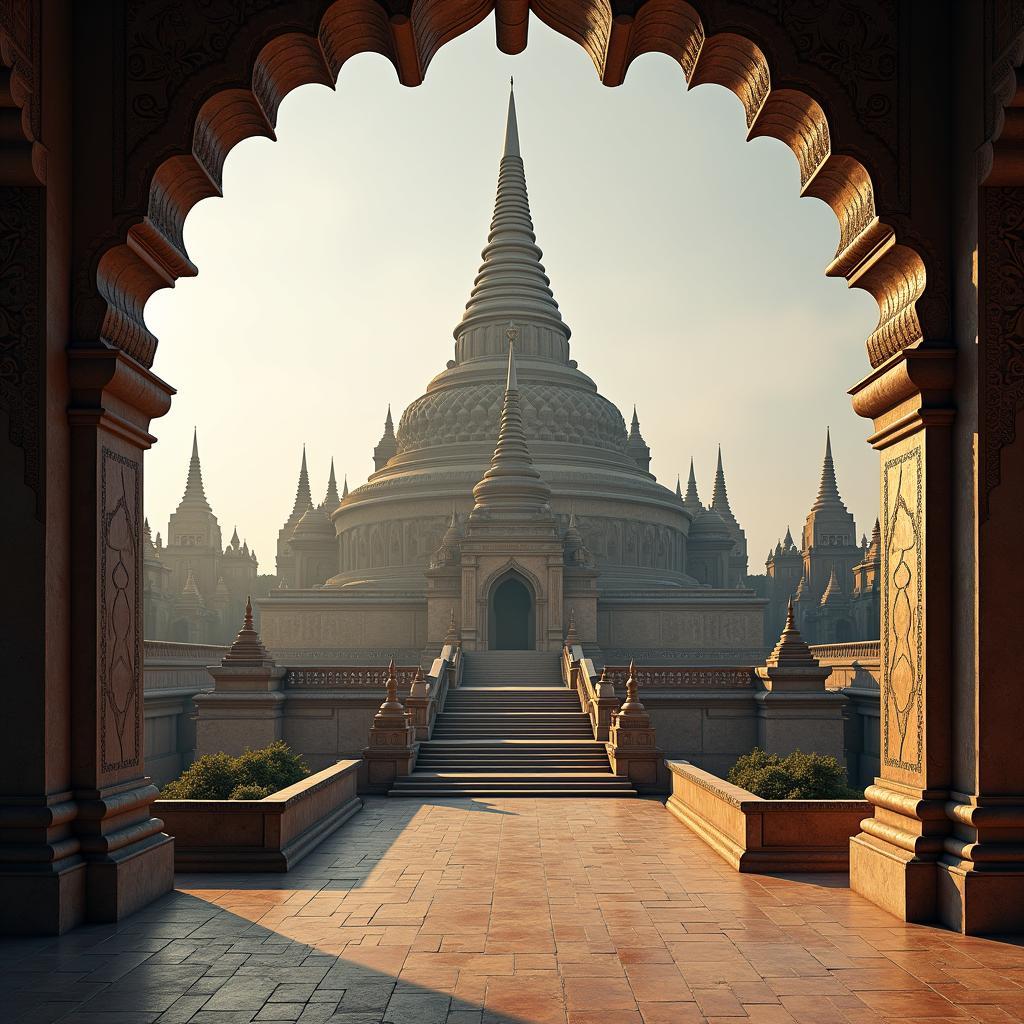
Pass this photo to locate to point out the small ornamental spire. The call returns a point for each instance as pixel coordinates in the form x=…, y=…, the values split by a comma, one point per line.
x=235, y=543
x=571, y=639
x=511, y=147
x=788, y=542
x=636, y=446
x=195, y=495
x=632, y=692
x=191, y=587
x=387, y=447
x=512, y=482
x=874, y=551
x=679, y=489
x=391, y=703
x=247, y=649
x=451, y=637
x=833, y=589
x=344, y=488
x=303, y=497
x=692, y=500
x=791, y=648
x=331, y=499
x=801, y=590
x=828, y=490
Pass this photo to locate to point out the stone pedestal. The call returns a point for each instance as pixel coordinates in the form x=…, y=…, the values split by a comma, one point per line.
x=632, y=748
x=794, y=710
x=246, y=707
x=391, y=753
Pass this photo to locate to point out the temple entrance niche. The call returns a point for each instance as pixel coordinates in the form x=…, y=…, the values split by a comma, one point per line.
x=512, y=626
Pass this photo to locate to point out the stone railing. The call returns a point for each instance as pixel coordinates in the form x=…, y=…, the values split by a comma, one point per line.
x=684, y=678
x=597, y=698
x=860, y=650
x=204, y=654
x=347, y=677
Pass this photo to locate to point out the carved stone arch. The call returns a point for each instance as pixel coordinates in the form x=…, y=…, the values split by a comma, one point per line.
x=512, y=565
x=845, y=141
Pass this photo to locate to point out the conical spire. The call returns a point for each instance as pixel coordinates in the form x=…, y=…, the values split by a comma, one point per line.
x=679, y=488
x=512, y=483
x=331, y=499
x=692, y=500
x=828, y=491
x=833, y=589
x=387, y=447
x=511, y=283
x=788, y=542
x=720, y=496
x=247, y=649
x=791, y=648
x=875, y=546
x=235, y=543
x=344, y=488
x=303, y=496
x=191, y=588
x=194, y=496
x=637, y=446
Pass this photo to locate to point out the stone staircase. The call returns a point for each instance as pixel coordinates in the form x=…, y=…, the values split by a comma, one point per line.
x=512, y=729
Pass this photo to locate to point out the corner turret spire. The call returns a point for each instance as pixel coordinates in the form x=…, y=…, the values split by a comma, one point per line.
x=331, y=499
x=303, y=496
x=692, y=500
x=387, y=447
x=720, y=496
x=637, y=447
x=511, y=283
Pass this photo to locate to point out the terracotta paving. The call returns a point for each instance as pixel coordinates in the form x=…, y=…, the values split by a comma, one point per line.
x=511, y=912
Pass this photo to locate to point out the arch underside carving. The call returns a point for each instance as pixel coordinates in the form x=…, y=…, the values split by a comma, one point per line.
x=151, y=253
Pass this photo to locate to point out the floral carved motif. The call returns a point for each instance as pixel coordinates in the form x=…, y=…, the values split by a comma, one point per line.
x=1002, y=335
x=120, y=612
x=902, y=607
x=855, y=42
x=21, y=296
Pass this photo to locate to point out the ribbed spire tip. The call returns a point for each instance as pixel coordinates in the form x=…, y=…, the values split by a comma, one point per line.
x=511, y=127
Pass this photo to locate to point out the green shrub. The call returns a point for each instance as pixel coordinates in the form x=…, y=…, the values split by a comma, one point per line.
x=251, y=776
x=247, y=791
x=799, y=776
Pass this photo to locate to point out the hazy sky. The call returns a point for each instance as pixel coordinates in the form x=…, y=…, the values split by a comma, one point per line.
x=333, y=271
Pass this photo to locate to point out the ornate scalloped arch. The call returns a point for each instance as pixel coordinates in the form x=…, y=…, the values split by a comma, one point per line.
x=152, y=255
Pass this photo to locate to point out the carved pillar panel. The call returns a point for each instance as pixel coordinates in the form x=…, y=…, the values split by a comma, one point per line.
x=894, y=860
x=128, y=859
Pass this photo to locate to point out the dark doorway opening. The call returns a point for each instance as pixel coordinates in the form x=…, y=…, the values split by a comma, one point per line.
x=512, y=608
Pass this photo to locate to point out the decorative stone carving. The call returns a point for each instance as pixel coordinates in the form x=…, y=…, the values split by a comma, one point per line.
x=120, y=612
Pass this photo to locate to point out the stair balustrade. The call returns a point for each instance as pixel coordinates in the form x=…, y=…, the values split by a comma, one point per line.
x=596, y=693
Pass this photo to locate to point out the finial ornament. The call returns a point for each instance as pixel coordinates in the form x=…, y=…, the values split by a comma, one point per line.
x=391, y=703
x=571, y=639
x=248, y=612
x=451, y=636
x=632, y=695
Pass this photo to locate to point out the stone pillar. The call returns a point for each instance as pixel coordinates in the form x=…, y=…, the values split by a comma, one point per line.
x=894, y=859
x=632, y=748
x=246, y=707
x=794, y=710
x=129, y=861
x=392, y=750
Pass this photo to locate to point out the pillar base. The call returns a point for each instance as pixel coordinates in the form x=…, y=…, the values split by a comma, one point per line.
x=976, y=902
x=44, y=899
x=895, y=880
x=123, y=881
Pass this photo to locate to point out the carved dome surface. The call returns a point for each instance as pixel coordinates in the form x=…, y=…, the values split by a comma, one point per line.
x=551, y=412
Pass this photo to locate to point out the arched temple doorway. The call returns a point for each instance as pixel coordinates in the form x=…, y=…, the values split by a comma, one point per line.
x=512, y=617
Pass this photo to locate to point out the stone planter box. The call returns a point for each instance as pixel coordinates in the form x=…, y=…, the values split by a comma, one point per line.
x=764, y=835
x=272, y=834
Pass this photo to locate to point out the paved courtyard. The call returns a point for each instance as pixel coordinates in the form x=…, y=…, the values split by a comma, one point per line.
x=511, y=912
